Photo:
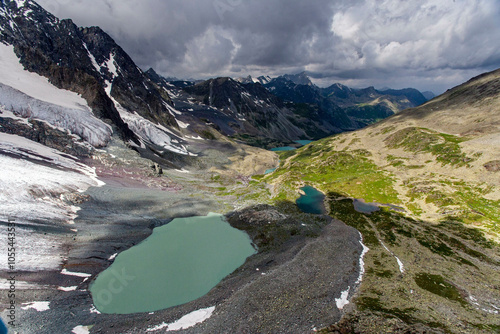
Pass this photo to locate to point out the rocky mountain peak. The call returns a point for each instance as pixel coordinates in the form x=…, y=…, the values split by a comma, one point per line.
x=245, y=80
x=299, y=78
x=264, y=79
x=429, y=95
x=151, y=73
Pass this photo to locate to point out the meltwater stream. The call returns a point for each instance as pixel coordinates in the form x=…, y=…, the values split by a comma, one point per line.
x=178, y=263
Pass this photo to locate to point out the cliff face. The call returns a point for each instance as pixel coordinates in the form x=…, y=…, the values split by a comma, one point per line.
x=83, y=60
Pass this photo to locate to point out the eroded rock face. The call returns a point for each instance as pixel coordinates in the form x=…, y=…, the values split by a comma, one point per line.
x=492, y=166
x=253, y=109
x=44, y=134
x=130, y=87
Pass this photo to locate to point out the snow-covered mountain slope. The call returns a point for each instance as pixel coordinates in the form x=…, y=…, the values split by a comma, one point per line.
x=80, y=81
x=86, y=61
x=35, y=178
x=13, y=74
x=30, y=95
x=38, y=189
x=153, y=134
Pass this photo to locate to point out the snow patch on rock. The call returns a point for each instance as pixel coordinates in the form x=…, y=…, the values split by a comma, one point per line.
x=343, y=300
x=71, y=273
x=187, y=321
x=81, y=330
x=39, y=306
x=182, y=124
x=94, y=310
x=33, y=96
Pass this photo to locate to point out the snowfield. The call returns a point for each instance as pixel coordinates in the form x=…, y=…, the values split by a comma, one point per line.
x=34, y=182
x=150, y=132
x=32, y=96
x=77, y=121
x=33, y=177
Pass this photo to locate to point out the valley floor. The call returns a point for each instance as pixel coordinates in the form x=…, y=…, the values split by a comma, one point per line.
x=303, y=264
x=419, y=276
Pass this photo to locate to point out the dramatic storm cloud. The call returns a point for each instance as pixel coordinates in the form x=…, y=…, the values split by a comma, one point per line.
x=427, y=44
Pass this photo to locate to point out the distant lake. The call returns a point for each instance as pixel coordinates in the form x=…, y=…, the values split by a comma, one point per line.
x=178, y=263
x=303, y=142
x=269, y=170
x=283, y=148
x=311, y=201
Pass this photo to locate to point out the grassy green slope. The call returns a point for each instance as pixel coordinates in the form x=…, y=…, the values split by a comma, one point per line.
x=432, y=162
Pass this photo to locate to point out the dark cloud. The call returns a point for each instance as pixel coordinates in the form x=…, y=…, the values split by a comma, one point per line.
x=427, y=44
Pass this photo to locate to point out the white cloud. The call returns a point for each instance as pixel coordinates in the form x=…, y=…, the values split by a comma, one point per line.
x=425, y=34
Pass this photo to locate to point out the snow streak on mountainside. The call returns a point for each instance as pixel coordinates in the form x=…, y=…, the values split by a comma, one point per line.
x=264, y=111
x=152, y=133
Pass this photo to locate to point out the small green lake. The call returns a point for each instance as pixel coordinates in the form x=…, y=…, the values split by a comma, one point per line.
x=311, y=201
x=178, y=263
x=283, y=148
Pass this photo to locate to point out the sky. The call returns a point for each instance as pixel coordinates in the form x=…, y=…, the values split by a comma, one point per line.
x=426, y=44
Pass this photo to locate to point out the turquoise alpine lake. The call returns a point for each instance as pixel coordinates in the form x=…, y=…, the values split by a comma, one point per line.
x=283, y=148
x=311, y=201
x=178, y=263
x=268, y=171
x=303, y=142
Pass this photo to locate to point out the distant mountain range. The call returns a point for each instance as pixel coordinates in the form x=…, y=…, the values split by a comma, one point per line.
x=263, y=111
x=290, y=107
